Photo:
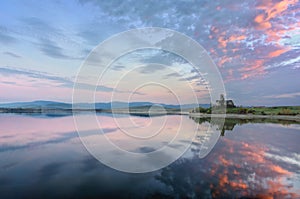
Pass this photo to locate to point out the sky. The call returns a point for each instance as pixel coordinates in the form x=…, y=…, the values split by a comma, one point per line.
x=255, y=45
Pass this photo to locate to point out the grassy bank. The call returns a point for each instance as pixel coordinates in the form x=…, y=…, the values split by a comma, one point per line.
x=277, y=110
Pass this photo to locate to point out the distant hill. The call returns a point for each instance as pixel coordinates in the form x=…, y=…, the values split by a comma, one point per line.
x=98, y=105
x=37, y=104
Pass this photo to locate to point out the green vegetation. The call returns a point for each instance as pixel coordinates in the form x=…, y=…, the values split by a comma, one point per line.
x=202, y=110
x=279, y=110
x=220, y=105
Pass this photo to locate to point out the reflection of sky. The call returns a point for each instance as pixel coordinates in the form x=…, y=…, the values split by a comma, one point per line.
x=43, y=44
x=254, y=160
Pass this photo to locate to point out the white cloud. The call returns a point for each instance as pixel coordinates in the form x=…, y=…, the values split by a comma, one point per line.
x=285, y=95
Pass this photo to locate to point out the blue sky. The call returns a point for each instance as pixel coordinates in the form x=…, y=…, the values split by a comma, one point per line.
x=255, y=44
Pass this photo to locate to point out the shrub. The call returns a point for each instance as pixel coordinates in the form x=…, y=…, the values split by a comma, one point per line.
x=251, y=111
x=201, y=110
x=208, y=111
x=242, y=111
x=286, y=112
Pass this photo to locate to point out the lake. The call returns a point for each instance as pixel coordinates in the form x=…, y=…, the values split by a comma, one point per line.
x=42, y=157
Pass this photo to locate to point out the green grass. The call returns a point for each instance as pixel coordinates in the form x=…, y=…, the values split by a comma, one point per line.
x=278, y=110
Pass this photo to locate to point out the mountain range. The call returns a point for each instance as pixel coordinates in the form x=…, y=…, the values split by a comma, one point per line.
x=98, y=105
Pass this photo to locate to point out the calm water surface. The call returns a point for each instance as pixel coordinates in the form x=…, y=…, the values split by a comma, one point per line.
x=42, y=157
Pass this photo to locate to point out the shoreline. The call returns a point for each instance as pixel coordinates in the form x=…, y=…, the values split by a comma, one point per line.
x=247, y=116
x=146, y=113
